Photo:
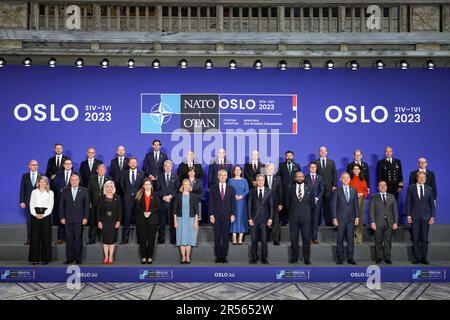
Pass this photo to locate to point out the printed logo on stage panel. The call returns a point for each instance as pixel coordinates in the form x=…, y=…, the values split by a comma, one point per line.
x=218, y=113
x=17, y=275
x=292, y=274
x=155, y=274
x=429, y=274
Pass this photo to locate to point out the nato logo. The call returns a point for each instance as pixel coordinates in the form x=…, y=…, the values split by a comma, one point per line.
x=159, y=112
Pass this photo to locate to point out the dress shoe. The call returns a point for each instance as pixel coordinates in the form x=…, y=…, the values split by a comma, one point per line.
x=143, y=261
x=59, y=241
x=388, y=261
x=276, y=243
x=218, y=260
x=415, y=261
x=125, y=241
x=425, y=261
x=45, y=263
x=90, y=242
x=351, y=261
x=307, y=262
x=161, y=241
x=239, y=243
x=293, y=261
x=173, y=241
x=253, y=261
x=339, y=261
x=264, y=261
x=316, y=241
x=68, y=262
x=27, y=243
x=224, y=260
x=188, y=262
x=78, y=262
x=182, y=262
x=149, y=261
x=35, y=263
x=378, y=261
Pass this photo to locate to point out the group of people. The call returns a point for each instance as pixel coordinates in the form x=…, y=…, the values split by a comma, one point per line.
x=241, y=199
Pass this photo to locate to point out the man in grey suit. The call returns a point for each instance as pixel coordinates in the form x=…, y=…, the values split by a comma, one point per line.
x=345, y=213
x=383, y=213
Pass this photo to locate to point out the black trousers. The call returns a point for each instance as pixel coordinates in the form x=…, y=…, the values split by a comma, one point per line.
x=146, y=234
x=94, y=232
x=165, y=214
x=295, y=227
x=28, y=217
x=61, y=230
x=275, y=231
x=74, y=235
x=259, y=233
x=41, y=239
x=383, y=241
x=128, y=212
x=346, y=231
x=326, y=208
x=221, y=230
x=420, y=229
x=315, y=220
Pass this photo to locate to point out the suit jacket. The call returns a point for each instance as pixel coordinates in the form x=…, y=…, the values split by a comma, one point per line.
x=214, y=168
x=222, y=209
x=250, y=175
x=260, y=211
x=342, y=210
x=125, y=183
x=391, y=173
x=328, y=174
x=378, y=210
x=197, y=189
x=431, y=181
x=300, y=210
x=94, y=189
x=178, y=205
x=183, y=171
x=60, y=180
x=114, y=169
x=364, y=170
x=154, y=209
x=277, y=191
x=26, y=188
x=165, y=189
x=420, y=208
x=52, y=168
x=318, y=186
x=86, y=173
x=151, y=167
x=74, y=211
x=101, y=210
x=286, y=178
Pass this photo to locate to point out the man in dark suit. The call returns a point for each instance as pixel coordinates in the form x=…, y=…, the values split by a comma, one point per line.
x=130, y=183
x=88, y=167
x=55, y=163
x=260, y=216
x=184, y=167
x=420, y=211
x=167, y=186
x=364, y=166
x=95, y=190
x=286, y=171
x=345, y=213
x=222, y=210
x=326, y=168
x=383, y=213
x=221, y=163
x=315, y=184
x=390, y=170
x=117, y=167
x=301, y=203
x=154, y=161
x=430, y=181
x=273, y=182
x=74, y=214
x=252, y=169
x=27, y=185
x=62, y=181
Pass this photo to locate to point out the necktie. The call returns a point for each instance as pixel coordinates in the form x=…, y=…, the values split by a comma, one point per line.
x=67, y=178
x=101, y=183
x=290, y=167
x=33, y=179
x=260, y=196
x=222, y=192
x=323, y=163
x=314, y=180
x=300, y=194
x=269, y=178
x=167, y=179
x=156, y=157
x=120, y=163
x=421, y=191
x=74, y=194
x=347, y=194
x=90, y=165
x=254, y=167
x=133, y=177
x=384, y=199
x=58, y=162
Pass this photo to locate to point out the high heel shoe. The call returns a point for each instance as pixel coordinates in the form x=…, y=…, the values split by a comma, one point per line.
x=234, y=243
x=240, y=243
x=149, y=261
x=105, y=262
x=143, y=261
x=110, y=262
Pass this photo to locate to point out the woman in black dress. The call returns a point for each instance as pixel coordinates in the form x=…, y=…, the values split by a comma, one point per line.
x=109, y=215
x=146, y=212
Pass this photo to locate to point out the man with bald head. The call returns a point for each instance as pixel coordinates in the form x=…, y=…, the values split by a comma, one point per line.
x=220, y=163
x=390, y=170
x=118, y=166
x=326, y=168
x=430, y=178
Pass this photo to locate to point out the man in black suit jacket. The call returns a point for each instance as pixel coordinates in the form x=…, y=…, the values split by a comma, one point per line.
x=167, y=186
x=383, y=213
x=74, y=214
x=315, y=184
x=95, y=190
x=390, y=170
x=430, y=180
x=27, y=185
x=260, y=216
x=130, y=183
x=88, y=167
x=286, y=171
x=154, y=161
x=420, y=211
x=117, y=167
x=221, y=163
x=301, y=202
x=55, y=163
x=184, y=167
x=274, y=184
x=364, y=166
x=345, y=211
x=222, y=211
x=252, y=169
x=326, y=168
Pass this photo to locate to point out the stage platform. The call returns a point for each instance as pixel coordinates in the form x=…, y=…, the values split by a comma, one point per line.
x=14, y=266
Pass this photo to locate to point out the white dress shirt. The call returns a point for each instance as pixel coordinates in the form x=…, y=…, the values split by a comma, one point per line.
x=418, y=189
x=224, y=187
x=260, y=190
x=301, y=186
x=41, y=199
x=131, y=174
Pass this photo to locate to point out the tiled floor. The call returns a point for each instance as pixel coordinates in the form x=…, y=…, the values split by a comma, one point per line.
x=224, y=291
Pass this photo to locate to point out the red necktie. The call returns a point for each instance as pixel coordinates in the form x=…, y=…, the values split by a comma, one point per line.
x=222, y=192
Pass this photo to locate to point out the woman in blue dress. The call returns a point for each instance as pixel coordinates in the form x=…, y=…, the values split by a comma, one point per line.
x=240, y=224
x=185, y=214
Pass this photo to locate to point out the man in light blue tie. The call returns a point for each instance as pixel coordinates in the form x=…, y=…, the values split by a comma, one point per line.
x=345, y=213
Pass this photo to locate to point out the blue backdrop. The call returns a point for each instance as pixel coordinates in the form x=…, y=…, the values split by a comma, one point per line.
x=419, y=129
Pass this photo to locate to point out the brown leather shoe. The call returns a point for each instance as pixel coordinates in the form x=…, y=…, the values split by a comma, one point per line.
x=316, y=241
x=58, y=242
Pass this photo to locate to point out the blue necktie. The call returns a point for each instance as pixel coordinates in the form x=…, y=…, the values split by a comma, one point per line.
x=33, y=179
x=133, y=178
x=347, y=194
x=74, y=194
